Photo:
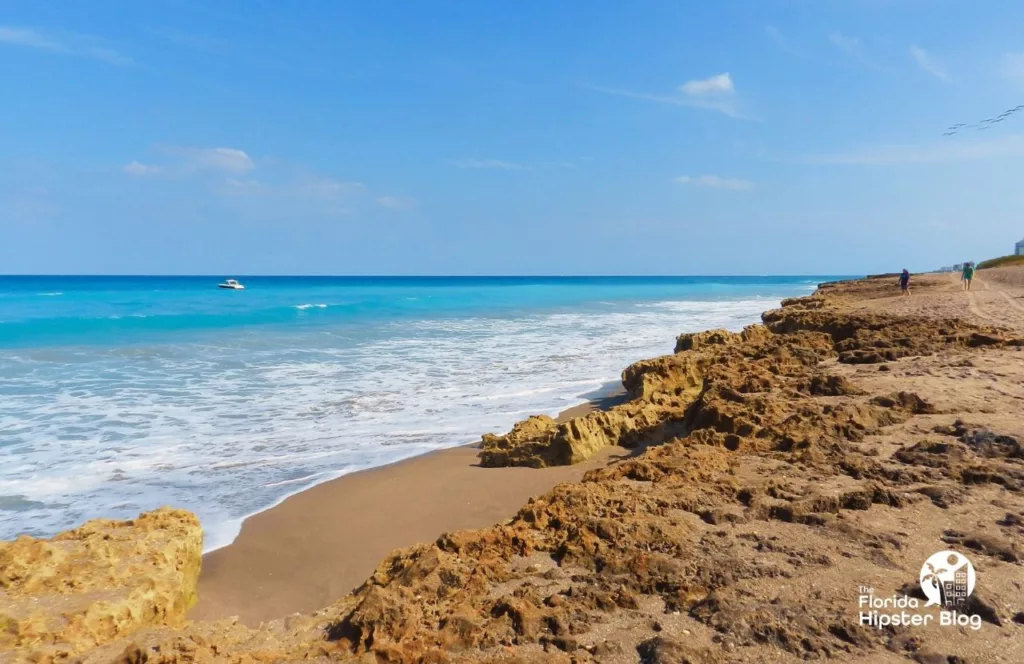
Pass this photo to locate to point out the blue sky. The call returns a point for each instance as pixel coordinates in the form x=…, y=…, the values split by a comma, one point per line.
x=528, y=137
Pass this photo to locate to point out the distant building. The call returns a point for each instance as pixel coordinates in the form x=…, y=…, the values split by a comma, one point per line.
x=1018, y=248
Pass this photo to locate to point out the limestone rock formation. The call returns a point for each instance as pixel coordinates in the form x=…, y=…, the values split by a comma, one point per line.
x=93, y=584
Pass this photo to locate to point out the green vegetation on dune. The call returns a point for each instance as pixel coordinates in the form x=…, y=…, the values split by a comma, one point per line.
x=1002, y=261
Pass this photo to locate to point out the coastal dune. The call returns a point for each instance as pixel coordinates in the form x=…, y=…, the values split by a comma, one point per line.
x=736, y=507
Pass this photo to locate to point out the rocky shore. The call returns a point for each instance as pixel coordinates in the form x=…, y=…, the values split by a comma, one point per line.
x=768, y=479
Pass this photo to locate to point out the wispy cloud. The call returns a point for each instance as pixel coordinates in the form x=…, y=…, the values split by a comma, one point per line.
x=853, y=49
x=927, y=63
x=721, y=84
x=468, y=162
x=139, y=169
x=258, y=184
x=715, y=182
x=715, y=93
x=396, y=202
x=949, y=150
x=846, y=44
x=230, y=160
x=184, y=160
x=327, y=188
x=64, y=44
x=780, y=41
x=279, y=185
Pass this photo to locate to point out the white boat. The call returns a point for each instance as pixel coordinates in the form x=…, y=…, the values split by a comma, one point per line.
x=232, y=284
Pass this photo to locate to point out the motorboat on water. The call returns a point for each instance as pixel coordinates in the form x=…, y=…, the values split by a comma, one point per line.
x=231, y=284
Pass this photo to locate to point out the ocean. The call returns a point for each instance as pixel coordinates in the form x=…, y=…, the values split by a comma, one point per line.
x=123, y=394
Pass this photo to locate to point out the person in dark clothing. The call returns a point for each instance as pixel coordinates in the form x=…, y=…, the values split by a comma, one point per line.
x=905, y=283
x=967, y=276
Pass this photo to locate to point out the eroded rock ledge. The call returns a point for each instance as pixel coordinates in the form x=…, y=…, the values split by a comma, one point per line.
x=96, y=583
x=666, y=393
x=783, y=466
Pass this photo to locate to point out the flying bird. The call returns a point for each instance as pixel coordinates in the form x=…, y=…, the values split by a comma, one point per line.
x=983, y=124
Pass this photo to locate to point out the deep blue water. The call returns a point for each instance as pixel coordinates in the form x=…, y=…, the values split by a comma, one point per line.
x=120, y=394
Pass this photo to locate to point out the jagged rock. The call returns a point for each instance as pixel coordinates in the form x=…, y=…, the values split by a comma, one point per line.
x=98, y=582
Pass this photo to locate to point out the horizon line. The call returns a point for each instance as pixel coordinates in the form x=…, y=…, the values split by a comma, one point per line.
x=412, y=276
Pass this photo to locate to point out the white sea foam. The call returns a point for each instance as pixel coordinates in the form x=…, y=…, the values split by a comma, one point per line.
x=230, y=428
x=303, y=307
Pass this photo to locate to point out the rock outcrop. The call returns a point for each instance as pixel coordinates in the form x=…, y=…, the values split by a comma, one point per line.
x=96, y=583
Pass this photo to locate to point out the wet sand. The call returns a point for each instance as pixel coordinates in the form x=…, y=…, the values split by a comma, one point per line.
x=320, y=544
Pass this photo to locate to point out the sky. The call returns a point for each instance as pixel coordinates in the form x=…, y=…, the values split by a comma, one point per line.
x=527, y=137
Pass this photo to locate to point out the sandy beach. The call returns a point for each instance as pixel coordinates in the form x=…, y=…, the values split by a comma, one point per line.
x=323, y=542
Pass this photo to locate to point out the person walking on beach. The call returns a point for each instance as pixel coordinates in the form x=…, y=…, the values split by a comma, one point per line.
x=905, y=283
x=967, y=275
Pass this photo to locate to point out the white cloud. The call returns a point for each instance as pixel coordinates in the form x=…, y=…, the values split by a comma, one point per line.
x=715, y=182
x=396, y=202
x=141, y=170
x=67, y=44
x=948, y=150
x=713, y=85
x=486, y=163
x=231, y=160
x=192, y=159
x=716, y=93
x=924, y=61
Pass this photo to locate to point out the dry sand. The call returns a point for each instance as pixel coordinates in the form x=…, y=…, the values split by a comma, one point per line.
x=318, y=545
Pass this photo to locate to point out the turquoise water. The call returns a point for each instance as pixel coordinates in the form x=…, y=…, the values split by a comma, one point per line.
x=121, y=394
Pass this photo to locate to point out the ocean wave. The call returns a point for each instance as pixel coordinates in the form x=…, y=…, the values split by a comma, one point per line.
x=55, y=294
x=303, y=307
x=297, y=480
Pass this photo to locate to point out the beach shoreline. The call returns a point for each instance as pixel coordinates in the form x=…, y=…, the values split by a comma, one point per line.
x=225, y=534
x=289, y=558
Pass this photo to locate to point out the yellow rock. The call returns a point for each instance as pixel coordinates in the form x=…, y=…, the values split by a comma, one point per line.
x=96, y=583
